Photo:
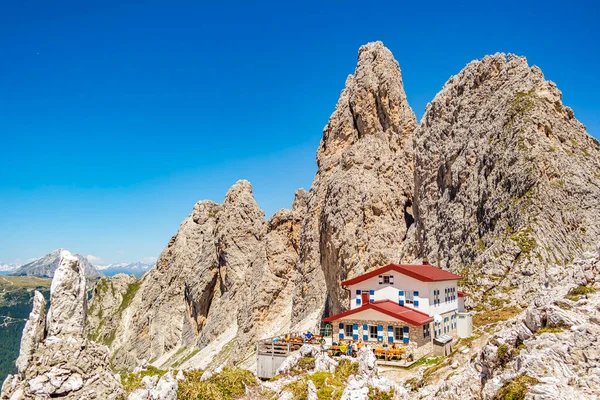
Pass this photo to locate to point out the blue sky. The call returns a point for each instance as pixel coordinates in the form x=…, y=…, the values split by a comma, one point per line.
x=116, y=117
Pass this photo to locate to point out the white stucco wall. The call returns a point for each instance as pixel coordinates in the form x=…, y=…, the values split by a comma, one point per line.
x=406, y=283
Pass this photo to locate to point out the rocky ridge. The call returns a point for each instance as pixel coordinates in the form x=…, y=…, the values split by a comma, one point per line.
x=56, y=359
x=498, y=182
x=47, y=265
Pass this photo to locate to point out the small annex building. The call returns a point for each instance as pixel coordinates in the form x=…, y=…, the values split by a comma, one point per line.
x=400, y=305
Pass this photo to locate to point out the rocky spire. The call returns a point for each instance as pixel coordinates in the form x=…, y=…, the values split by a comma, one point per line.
x=359, y=207
x=33, y=333
x=68, y=298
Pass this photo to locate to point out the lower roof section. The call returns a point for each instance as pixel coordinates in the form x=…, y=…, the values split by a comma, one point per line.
x=390, y=309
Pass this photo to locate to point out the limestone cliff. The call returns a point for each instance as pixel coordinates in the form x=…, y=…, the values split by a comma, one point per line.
x=226, y=275
x=497, y=182
x=359, y=208
x=507, y=181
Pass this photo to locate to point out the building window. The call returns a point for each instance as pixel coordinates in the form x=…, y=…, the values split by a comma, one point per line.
x=436, y=297
x=408, y=297
x=398, y=334
x=426, y=332
x=348, y=330
x=373, y=332
x=386, y=279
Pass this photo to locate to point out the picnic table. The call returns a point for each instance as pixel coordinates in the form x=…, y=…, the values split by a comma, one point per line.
x=389, y=353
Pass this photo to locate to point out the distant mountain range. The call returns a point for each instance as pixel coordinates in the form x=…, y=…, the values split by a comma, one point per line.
x=137, y=268
x=6, y=269
x=46, y=266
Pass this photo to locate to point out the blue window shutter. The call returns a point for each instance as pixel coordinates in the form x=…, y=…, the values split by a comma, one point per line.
x=405, y=340
x=372, y=292
x=416, y=303
x=391, y=334
x=401, y=302
x=365, y=327
x=341, y=326
x=380, y=333
x=355, y=327
x=406, y=329
x=391, y=279
x=358, y=291
x=341, y=335
x=355, y=336
x=416, y=294
x=401, y=293
x=358, y=302
x=380, y=280
x=371, y=300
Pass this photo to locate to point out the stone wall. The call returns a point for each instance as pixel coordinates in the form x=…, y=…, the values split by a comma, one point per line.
x=417, y=344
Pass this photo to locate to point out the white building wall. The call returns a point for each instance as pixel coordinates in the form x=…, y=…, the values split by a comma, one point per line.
x=387, y=291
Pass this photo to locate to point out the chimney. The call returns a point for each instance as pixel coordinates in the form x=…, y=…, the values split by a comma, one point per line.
x=425, y=262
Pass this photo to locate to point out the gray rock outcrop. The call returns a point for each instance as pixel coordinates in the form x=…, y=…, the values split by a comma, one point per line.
x=507, y=181
x=109, y=299
x=33, y=333
x=56, y=360
x=228, y=273
x=359, y=208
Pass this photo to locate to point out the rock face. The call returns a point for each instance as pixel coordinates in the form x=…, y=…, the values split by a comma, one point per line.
x=359, y=209
x=46, y=266
x=110, y=297
x=507, y=181
x=227, y=273
x=499, y=183
x=33, y=333
x=555, y=343
x=68, y=299
x=56, y=360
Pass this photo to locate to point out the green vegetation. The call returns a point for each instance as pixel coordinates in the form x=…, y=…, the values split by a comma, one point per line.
x=523, y=238
x=503, y=353
x=231, y=383
x=550, y=329
x=375, y=394
x=129, y=295
x=487, y=317
x=345, y=368
x=515, y=389
x=426, y=361
x=131, y=381
x=306, y=363
x=579, y=292
x=16, y=294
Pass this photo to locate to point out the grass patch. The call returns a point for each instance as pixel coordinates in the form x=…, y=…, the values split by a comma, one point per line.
x=306, y=363
x=376, y=394
x=494, y=316
x=503, y=354
x=345, y=368
x=578, y=292
x=129, y=295
x=523, y=238
x=298, y=389
x=426, y=361
x=515, y=389
x=131, y=381
x=550, y=329
x=328, y=385
x=231, y=383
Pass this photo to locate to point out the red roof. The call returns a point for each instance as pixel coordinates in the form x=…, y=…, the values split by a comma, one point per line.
x=390, y=308
x=424, y=273
x=463, y=294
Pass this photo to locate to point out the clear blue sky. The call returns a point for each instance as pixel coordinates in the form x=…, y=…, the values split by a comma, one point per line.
x=116, y=117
